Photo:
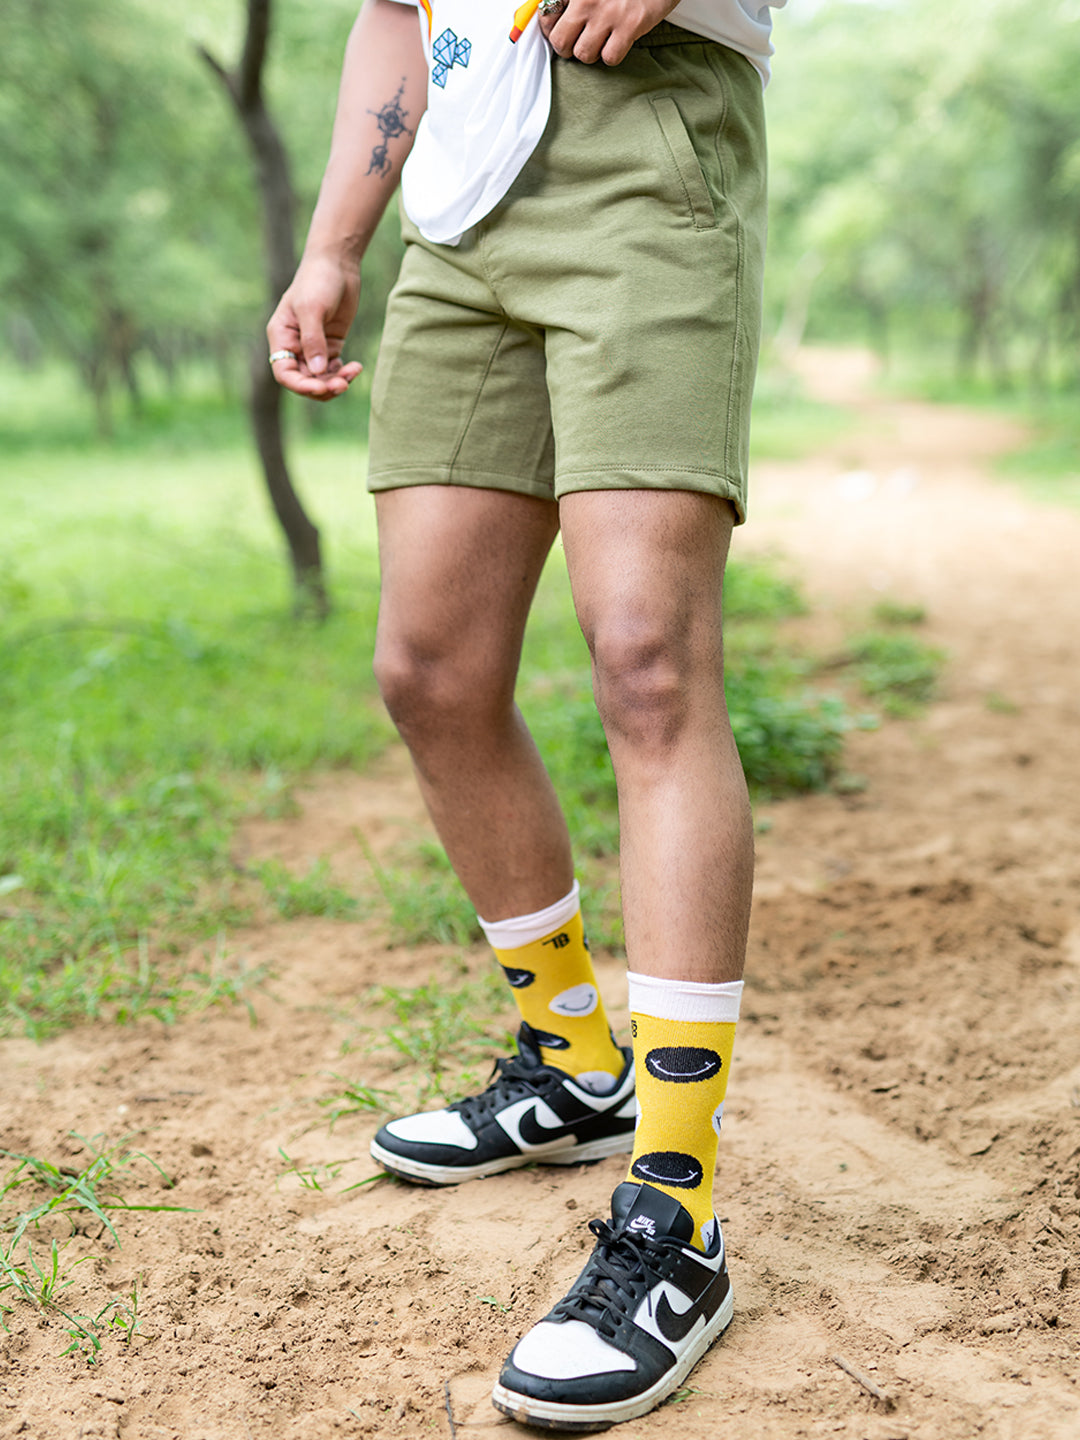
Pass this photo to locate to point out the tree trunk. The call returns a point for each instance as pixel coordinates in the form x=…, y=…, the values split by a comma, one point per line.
x=975, y=310
x=96, y=374
x=244, y=87
x=792, y=327
x=303, y=537
x=124, y=342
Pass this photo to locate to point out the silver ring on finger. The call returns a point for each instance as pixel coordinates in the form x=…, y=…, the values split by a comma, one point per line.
x=276, y=355
x=551, y=7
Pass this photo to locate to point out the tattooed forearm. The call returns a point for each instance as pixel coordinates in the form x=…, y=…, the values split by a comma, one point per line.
x=391, y=122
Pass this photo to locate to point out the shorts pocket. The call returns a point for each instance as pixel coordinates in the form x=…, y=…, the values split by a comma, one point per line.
x=687, y=164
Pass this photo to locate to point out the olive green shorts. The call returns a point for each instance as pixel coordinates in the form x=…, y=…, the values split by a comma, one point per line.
x=599, y=329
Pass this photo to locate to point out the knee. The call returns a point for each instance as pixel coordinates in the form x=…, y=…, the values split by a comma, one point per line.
x=415, y=683
x=430, y=688
x=642, y=682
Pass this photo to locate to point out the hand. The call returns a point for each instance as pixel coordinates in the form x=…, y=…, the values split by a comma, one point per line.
x=592, y=30
x=312, y=320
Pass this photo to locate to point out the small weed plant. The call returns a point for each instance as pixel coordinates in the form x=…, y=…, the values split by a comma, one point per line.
x=898, y=671
x=438, y=1028
x=999, y=704
x=47, y=1214
x=353, y=1097
x=440, y=1035
x=899, y=612
x=424, y=900
x=500, y=1307
x=316, y=1177
x=313, y=893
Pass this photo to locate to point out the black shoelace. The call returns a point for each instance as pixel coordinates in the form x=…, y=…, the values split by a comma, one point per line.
x=617, y=1278
x=511, y=1079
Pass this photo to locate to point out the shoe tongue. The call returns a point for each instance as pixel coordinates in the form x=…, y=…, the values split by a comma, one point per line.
x=528, y=1049
x=648, y=1210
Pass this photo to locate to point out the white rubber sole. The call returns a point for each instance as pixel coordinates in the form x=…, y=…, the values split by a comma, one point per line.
x=549, y=1415
x=417, y=1171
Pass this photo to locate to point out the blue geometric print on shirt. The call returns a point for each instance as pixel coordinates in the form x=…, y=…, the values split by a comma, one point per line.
x=449, y=51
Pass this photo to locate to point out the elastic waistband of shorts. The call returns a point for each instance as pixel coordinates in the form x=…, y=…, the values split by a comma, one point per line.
x=665, y=33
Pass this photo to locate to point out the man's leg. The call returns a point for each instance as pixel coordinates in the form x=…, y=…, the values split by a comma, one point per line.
x=459, y=570
x=647, y=572
x=647, y=569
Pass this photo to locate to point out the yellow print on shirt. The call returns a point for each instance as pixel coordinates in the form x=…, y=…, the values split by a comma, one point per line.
x=522, y=15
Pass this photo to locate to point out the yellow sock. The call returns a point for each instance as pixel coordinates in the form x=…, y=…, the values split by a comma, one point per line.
x=554, y=985
x=681, y=1070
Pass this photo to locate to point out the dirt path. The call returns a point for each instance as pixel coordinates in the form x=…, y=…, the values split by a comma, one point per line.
x=901, y=1154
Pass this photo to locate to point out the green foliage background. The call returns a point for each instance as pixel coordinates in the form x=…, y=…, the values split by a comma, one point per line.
x=925, y=186
x=925, y=195
x=129, y=237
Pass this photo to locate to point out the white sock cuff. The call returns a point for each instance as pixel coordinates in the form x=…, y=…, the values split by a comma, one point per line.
x=524, y=929
x=684, y=999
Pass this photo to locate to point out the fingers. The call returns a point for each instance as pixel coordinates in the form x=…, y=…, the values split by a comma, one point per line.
x=575, y=39
x=313, y=345
x=308, y=360
x=294, y=375
x=615, y=48
x=562, y=32
x=548, y=21
x=591, y=30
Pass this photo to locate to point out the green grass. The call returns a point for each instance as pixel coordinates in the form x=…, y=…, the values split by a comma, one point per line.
x=316, y=1177
x=438, y=1027
x=438, y=1037
x=423, y=900
x=898, y=671
x=788, y=743
x=49, y=409
x=312, y=893
x=1046, y=467
x=155, y=692
x=754, y=590
x=353, y=1097
x=898, y=612
x=999, y=704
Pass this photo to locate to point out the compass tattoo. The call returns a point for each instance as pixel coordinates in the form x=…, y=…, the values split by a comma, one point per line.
x=391, y=122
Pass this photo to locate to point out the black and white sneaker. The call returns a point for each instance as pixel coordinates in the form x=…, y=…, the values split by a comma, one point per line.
x=632, y=1326
x=530, y=1113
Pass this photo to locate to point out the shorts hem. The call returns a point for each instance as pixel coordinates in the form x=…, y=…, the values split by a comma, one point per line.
x=663, y=477
x=403, y=479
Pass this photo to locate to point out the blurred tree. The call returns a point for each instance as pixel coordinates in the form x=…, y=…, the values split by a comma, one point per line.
x=924, y=180
x=110, y=210
x=128, y=215
x=244, y=86
x=126, y=205
x=925, y=187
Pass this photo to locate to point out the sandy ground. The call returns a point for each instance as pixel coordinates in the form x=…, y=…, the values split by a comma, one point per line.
x=899, y=1170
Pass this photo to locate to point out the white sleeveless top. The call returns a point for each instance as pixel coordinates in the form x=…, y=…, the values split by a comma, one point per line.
x=489, y=96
